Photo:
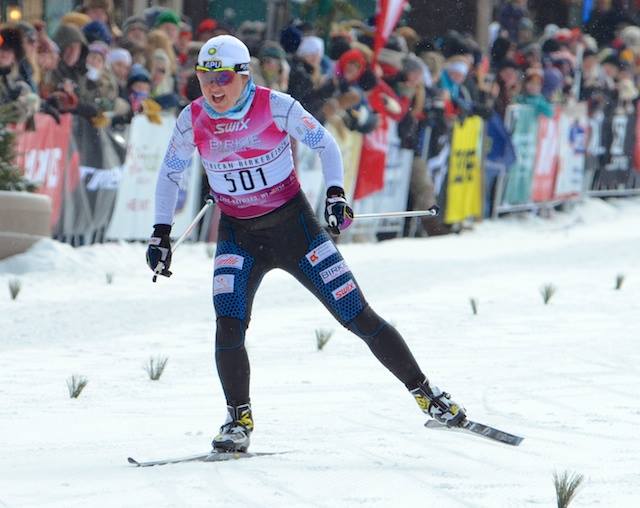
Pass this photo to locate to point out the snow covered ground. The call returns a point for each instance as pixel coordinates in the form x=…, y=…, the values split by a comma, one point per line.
x=565, y=375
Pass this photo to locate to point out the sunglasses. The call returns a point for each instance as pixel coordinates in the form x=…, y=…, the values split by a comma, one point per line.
x=219, y=77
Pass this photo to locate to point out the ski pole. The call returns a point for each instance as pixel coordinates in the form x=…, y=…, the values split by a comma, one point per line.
x=184, y=235
x=431, y=212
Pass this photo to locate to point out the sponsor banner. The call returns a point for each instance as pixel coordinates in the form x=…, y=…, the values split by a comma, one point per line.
x=229, y=261
x=344, y=290
x=572, y=149
x=545, y=166
x=595, y=148
x=90, y=206
x=350, y=144
x=223, y=284
x=636, y=150
x=44, y=155
x=464, y=182
x=334, y=271
x=618, y=139
x=392, y=197
x=522, y=123
x=372, y=161
x=133, y=215
x=321, y=252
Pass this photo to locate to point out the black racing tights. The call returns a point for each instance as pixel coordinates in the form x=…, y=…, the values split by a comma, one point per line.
x=286, y=239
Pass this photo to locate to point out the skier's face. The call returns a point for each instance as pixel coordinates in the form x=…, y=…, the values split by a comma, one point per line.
x=221, y=89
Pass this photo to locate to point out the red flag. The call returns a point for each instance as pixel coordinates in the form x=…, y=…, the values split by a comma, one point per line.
x=373, y=158
x=387, y=17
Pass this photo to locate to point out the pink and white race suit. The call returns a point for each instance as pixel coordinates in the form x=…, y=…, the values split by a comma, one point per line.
x=248, y=161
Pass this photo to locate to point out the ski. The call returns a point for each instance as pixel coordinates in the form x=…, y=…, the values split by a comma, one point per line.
x=211, y=456
x=479, y=429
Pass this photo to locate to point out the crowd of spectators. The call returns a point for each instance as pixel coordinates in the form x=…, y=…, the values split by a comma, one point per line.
x=106, y=74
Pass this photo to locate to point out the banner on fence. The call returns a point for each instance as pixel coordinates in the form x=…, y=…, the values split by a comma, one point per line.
x=133, y=216
x=89, y=204
x=394, y=194
x=437, y=155
x=618, y=139
x=464, y=183
x=522, y=123
x=545, y=166
x=571, y=150
x=44, y=154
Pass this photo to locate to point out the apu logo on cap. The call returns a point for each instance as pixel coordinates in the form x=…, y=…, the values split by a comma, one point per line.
x=213, y=64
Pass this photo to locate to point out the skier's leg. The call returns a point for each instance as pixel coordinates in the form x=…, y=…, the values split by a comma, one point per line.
x=238, y=270
x=311, y=256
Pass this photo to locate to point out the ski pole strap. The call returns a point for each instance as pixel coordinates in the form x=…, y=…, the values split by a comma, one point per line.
x=431, y=212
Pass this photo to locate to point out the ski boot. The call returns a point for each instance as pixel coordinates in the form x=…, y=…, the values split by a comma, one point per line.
x=438, y=404
x=234, y=434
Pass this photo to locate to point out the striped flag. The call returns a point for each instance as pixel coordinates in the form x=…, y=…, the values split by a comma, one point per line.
x=388, y=14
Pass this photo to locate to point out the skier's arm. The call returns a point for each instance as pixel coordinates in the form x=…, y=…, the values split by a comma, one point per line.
x=290, y=116
x=176, y=160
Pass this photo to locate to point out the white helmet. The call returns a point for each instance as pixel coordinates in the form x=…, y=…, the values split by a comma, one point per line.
x=224, y=52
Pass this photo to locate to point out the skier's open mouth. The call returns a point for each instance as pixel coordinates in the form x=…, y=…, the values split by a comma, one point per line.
x=217, y=99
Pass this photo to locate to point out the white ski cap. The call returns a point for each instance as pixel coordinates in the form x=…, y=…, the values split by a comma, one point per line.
x=224, y=52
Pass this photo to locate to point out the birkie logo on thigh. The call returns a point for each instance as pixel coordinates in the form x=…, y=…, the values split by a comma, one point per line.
x=321, y=252
x=334, y=271
x=344, y=290
x=223, y=284
x=229, y=261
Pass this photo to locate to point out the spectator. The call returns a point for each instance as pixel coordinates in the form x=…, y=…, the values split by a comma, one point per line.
x=28, y=65
x=48, y=59
x=77, y=19
x=163, y=83
x=457, y=98
x=185, y=37
x=532, y=93
x=139, y=87
x=271, y=68
x=98, y=87
x=13, y=89
x=191, y=90
x=134, y=38
x=119, y=62
x=206, y=29
x=97, y=31
x=357, y=113
x=290, y=39
x=73, y=48
x=98, y=10
x=169, y=22
x=552, y=84
x=510, y=16
x=158, y=39
x=252, y=33
x=508, y=83
x=306, y=78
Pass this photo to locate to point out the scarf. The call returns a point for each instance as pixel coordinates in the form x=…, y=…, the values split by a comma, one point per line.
x=239, y=110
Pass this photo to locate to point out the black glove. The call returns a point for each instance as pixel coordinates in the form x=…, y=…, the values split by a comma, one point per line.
x=159, y=250
x=337, y=211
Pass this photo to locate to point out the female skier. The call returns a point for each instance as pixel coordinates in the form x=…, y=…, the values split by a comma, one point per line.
x=242, y=133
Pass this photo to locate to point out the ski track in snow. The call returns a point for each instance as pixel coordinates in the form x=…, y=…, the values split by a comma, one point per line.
x=564, y=375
